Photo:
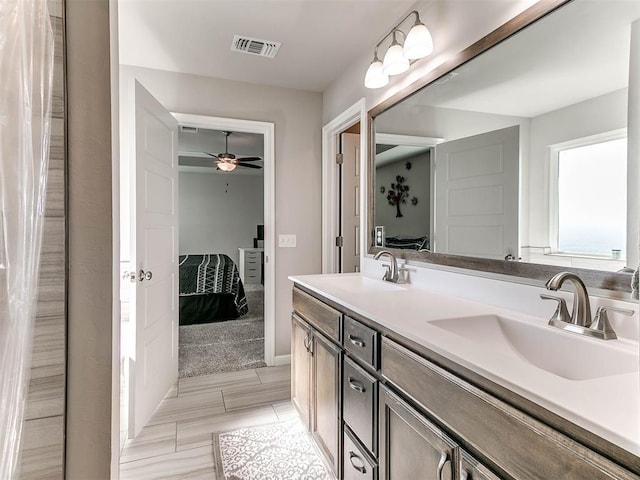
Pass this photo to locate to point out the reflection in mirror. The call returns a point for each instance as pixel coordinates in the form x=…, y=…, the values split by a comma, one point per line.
x=524, y=152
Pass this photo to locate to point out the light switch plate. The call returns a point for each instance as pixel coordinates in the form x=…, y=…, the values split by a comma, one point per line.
x=286, y=240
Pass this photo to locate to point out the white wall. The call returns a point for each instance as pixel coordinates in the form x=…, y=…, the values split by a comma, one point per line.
x=597, y=115
x=298, y=127
x=453, y=25
x=219, y=213
x=89, y=379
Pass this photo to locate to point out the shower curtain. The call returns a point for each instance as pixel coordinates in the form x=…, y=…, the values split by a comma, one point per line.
x=26, y=74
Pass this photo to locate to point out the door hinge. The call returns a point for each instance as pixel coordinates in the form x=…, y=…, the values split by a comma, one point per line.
x=339, y=158
x=339, y=242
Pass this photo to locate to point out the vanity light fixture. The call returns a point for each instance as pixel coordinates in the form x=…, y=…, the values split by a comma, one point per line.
x=418, y=43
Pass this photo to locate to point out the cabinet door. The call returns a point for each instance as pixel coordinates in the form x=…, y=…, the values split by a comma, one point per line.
x=410, y=445
x=472, y=469
x=301, y=368
x=325, y=389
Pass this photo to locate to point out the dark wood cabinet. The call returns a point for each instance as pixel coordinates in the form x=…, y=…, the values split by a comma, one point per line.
x=410, y=445
x=315, y=386
x=301, y=368
x=325, y=401
x=401, y=411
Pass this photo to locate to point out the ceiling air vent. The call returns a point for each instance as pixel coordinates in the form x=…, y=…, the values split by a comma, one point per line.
x=254, y=46
x=186, y=129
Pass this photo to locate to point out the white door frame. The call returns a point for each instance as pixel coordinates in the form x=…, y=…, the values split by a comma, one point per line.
x=268, y=130
x=330, y=141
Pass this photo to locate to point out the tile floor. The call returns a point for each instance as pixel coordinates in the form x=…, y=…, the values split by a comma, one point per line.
x=177, y=441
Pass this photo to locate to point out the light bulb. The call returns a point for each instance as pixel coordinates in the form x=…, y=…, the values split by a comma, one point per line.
x=226, y=167
x=418, y=43
x=394, y=61
x=375, y=77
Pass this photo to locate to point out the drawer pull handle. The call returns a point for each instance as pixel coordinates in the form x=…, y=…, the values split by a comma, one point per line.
x=357, y=341
x=356, y=385
x=444, y=459
x=360, y=468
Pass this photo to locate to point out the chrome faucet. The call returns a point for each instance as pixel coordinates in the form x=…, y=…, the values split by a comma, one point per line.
x=580, y=319
x=581, y=311
x=391, y=274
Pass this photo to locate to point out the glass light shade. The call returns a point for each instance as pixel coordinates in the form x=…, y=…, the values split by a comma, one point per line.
x=418, y=43
x=375, y=77
x=226, y=167
x=394, y=61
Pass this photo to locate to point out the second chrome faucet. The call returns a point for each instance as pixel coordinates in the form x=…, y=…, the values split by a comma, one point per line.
x=579, y=321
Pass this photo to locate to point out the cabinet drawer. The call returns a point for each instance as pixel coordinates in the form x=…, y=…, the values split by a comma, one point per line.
x=318, y=314
x=356, y=464
x=360, y=394
x=513, y=441
x=252, y=257
x=361, y=341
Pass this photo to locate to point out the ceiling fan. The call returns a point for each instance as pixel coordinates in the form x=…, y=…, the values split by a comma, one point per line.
x=227, y=162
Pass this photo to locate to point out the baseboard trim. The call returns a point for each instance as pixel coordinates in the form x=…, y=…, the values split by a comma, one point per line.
x=282, y=360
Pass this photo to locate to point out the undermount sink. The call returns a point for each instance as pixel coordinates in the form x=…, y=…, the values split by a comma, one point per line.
x=360, y=284
x=561, y=353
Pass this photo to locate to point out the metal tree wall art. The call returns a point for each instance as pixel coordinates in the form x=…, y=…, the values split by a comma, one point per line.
x=398, y=194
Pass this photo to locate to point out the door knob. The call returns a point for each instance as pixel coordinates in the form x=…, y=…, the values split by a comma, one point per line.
x=142, y=275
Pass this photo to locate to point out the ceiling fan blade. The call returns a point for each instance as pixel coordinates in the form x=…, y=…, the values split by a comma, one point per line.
x=248, y=165
x=249, y=159
x=211, y=154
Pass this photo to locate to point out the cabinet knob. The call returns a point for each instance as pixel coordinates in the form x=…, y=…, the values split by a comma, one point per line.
x=444, y=460
x=361, y=468
x=357, y=341
x=356, y=385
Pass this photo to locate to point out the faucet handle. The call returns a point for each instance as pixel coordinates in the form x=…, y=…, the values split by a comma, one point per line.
x=561, y=312
x=403, y=274
x=387, y=273
x=601, y=321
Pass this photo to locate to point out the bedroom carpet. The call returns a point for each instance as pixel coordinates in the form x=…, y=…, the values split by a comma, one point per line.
x=225, y=346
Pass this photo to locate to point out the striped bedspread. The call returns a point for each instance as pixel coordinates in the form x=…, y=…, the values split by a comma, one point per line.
x=211, y=273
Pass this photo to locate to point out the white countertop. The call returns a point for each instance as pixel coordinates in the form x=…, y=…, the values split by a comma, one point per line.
x=607, y=406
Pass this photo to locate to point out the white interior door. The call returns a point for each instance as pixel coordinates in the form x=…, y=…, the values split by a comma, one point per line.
x=477, y=195
x=154, y=257
x=350, y=215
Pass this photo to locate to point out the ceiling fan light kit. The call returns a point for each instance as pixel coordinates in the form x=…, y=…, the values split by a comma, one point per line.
x=227, y=162
x=417, y=44
x=226, y=167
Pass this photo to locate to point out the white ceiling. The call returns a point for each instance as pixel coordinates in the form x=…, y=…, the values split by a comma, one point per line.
x=319, y=38
x=194, y=146
x=577, y=53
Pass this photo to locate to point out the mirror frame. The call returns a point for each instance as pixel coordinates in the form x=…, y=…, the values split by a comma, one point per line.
x=526, y=272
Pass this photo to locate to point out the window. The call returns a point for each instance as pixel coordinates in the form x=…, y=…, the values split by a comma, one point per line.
x=592, y=197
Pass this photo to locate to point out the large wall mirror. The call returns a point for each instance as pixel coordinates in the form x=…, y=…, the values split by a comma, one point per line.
x=517, y=161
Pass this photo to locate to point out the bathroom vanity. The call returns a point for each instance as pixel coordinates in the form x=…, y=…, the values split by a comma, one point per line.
x=397, y=382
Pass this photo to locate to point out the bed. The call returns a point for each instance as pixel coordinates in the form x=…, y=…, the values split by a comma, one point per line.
x=210, y=289
x=418, y=243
